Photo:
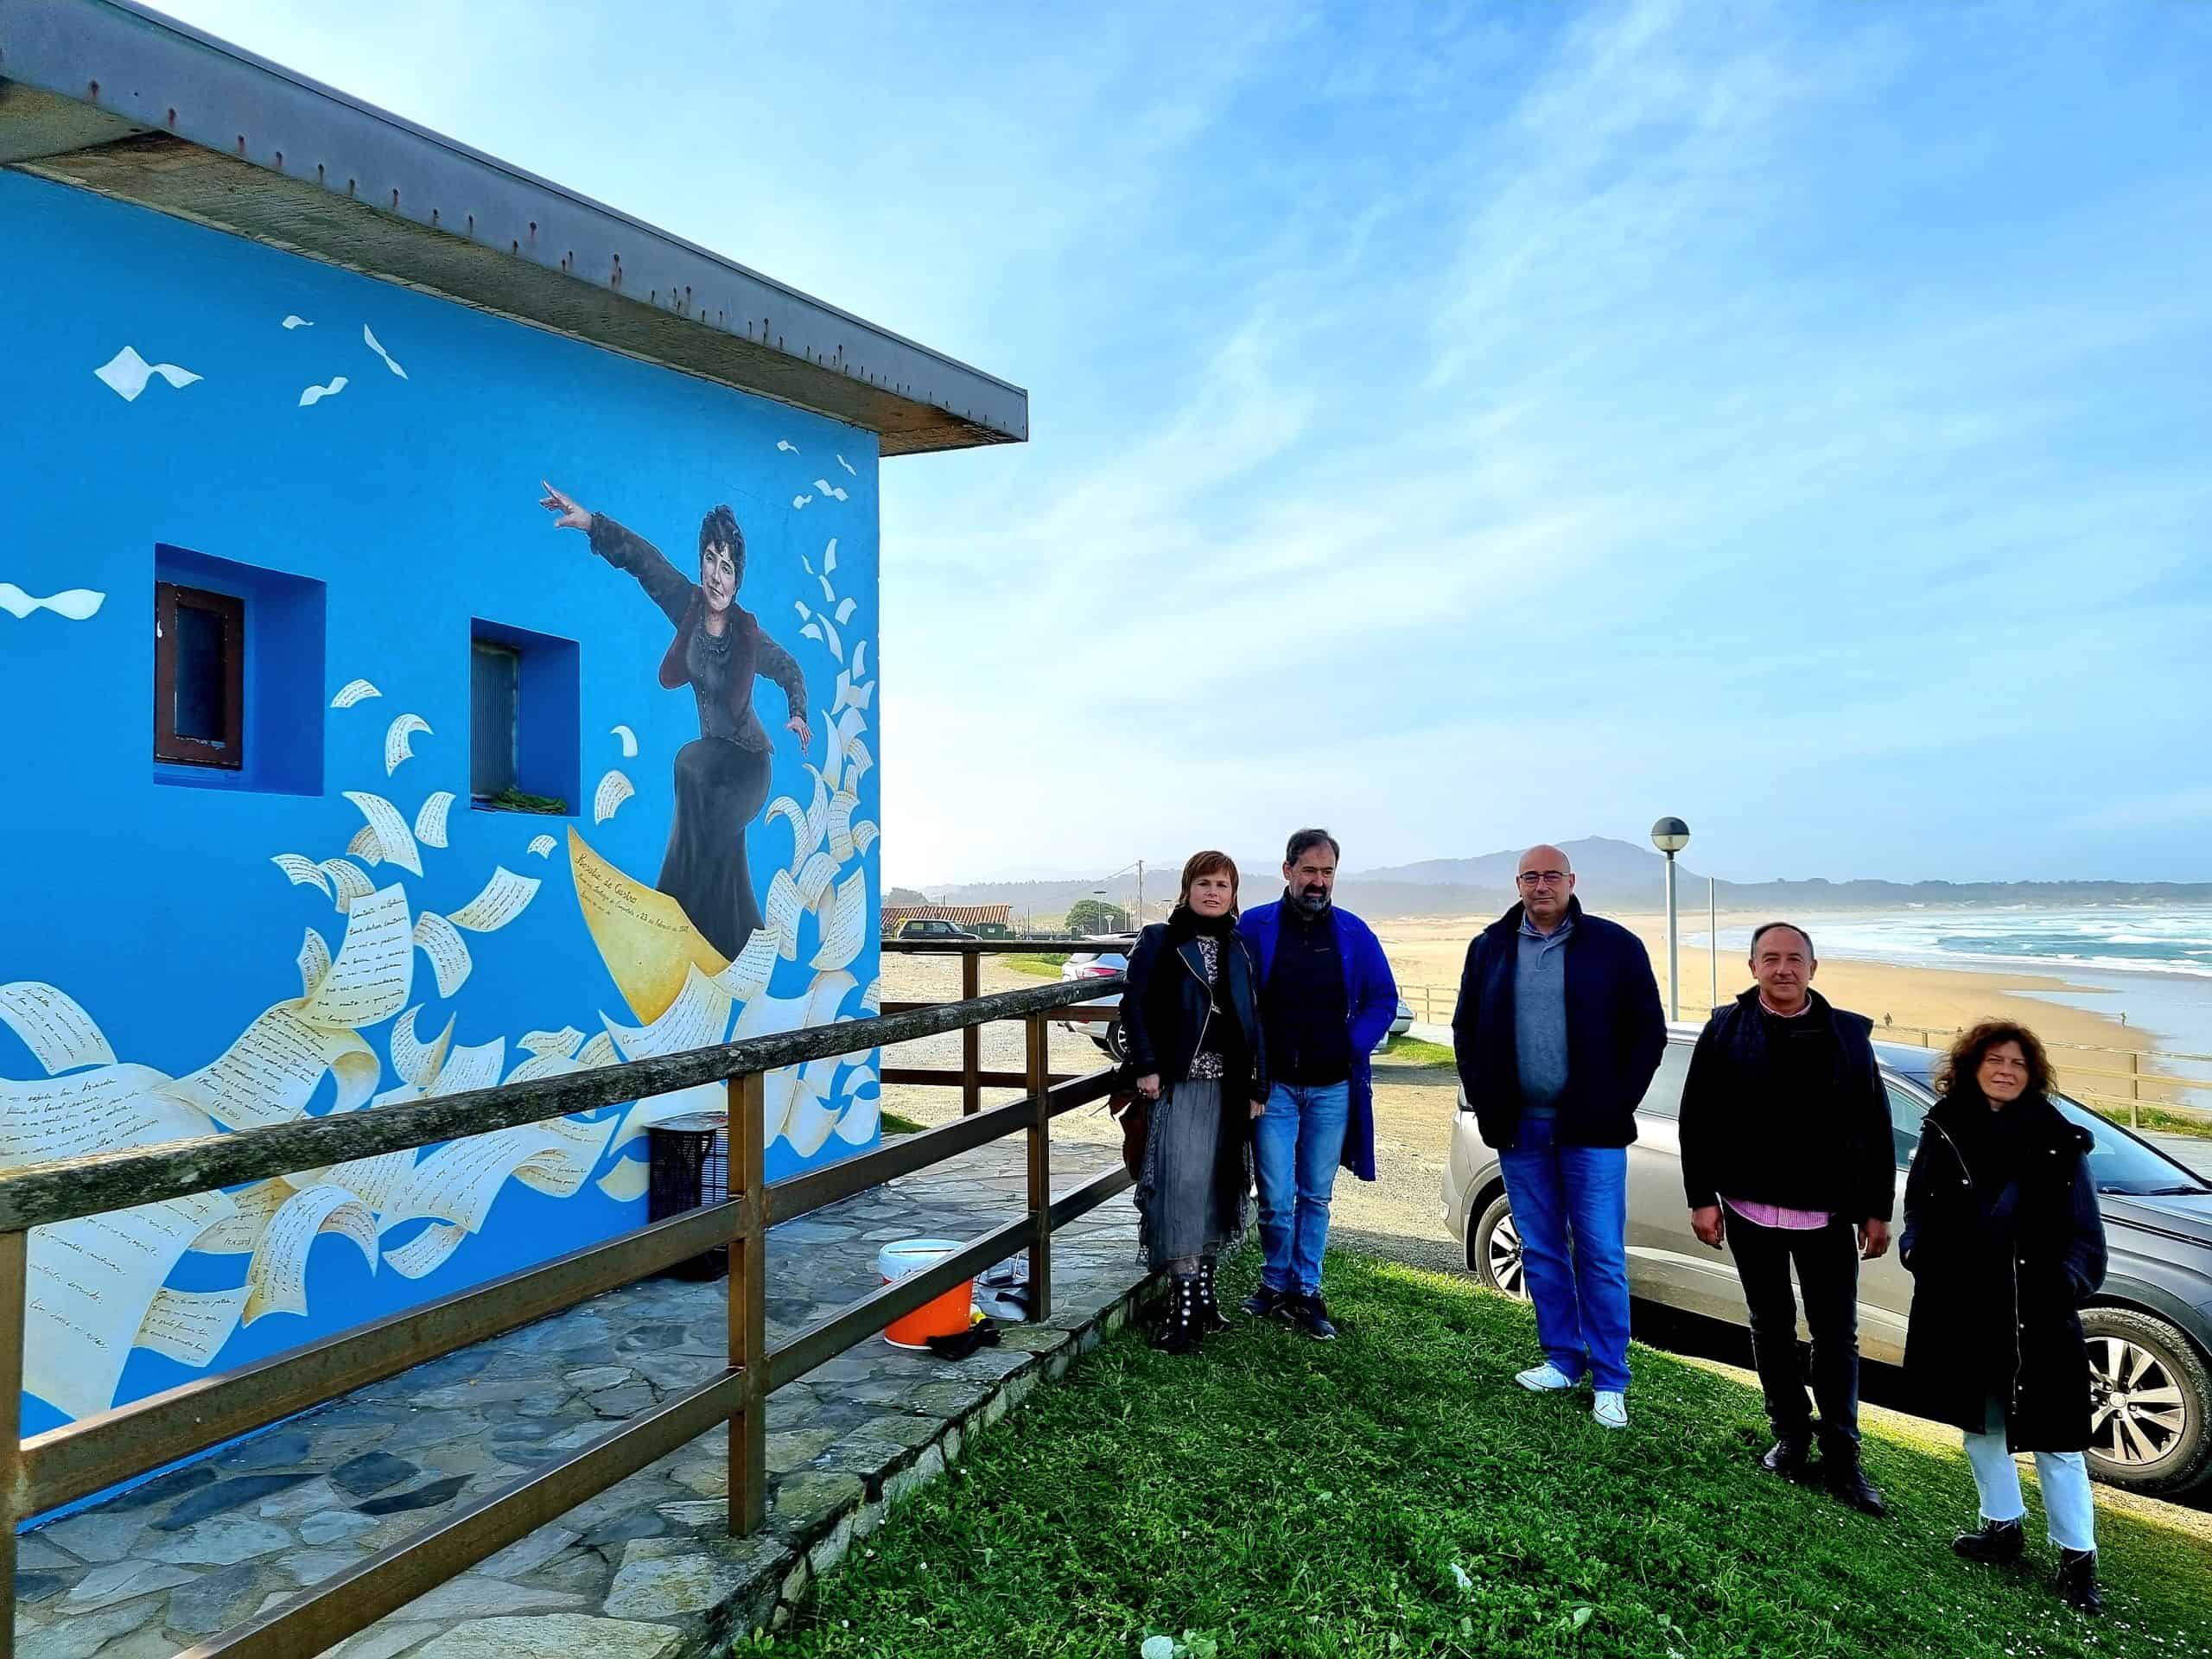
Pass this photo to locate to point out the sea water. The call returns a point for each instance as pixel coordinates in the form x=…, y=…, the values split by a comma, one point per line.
x=2150, y=965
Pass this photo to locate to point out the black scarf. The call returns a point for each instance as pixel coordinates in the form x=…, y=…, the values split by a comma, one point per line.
x=1184, y=924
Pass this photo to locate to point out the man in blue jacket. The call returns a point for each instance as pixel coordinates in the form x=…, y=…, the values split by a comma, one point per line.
x=1557, y=1034
x=1327, y=999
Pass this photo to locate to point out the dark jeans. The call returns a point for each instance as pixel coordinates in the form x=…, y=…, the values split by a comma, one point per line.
x=1827, y=1260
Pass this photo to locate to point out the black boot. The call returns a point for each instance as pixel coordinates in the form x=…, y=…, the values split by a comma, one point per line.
x=1179, y=1330
x=1997, y=1544
x=1790, y=1457
x=1210, y=1318
x=2077, y=1580
x=1845, y=1476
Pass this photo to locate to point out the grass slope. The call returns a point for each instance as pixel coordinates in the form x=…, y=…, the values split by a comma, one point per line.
x=1415, y=1050
x=1397, y=1493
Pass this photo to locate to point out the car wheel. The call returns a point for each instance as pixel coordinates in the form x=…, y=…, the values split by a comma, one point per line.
x=1494, y=1250
x=1117, y=1043
x=2151, y=1402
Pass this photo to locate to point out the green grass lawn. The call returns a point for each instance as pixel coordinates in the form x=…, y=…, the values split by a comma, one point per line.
x=893, y=1123
x=1395, y=1492
x=1044, y=965
x=1412, y=1051
x=2162, y=1122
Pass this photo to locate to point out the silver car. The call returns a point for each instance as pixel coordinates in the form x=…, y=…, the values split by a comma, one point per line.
x=1102, y=958
x=2150, y=1327
x=1105, y=962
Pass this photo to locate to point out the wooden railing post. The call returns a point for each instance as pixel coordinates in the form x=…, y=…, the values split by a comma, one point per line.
x=971, y=1037
x=2134, y=1090
x=748, y=1305
x=1040, y=1171
x=14, y=1256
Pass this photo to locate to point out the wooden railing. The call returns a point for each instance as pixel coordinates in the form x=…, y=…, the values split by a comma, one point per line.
x=971, y=1078
x=94, y=1452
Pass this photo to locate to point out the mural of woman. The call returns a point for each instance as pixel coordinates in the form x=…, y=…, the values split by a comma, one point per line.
x=722, y=776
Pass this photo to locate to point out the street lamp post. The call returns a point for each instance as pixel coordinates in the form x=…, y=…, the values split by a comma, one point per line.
x=1670, y=835
x=1712, y=933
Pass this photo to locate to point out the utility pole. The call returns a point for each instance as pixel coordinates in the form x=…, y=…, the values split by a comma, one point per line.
x=1139, y=892
x=1712, y=932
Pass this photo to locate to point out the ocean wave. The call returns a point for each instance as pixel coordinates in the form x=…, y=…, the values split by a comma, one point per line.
x=2116, y=939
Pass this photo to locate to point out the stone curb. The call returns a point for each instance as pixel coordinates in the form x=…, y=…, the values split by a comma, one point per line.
x=809, y=1537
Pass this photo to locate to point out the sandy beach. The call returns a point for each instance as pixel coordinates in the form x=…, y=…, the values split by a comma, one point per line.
x=1428, y=953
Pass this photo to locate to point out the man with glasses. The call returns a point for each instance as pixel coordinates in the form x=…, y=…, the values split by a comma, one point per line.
x=1557, y=1034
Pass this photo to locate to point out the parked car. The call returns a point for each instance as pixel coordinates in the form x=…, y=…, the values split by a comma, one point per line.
x=931, y=927
x=1109, y=955
x=2149, y=1326
x=1100, y=957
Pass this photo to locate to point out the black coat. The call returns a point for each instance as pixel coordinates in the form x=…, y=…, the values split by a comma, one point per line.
x=1166, y=1016
x=1616, y=1032
x=1166, y=1013
x=1988, y=1319
x=1828, y=1149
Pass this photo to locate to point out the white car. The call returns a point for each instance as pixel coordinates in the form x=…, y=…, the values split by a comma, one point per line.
x=1102, y=958
x=1113, y=958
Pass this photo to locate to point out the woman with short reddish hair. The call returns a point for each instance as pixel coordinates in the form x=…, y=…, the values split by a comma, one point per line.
x=2004, y=1242
x=1191, y=1014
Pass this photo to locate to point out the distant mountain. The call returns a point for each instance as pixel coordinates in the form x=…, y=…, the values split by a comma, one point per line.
x=1617, y=867
x=1621, y=876
x=1610, y=875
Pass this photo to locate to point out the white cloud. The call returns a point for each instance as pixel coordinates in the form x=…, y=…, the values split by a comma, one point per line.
x=1437, y=410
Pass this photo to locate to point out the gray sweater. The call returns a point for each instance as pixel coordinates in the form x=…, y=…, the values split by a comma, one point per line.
x=1540, y=1017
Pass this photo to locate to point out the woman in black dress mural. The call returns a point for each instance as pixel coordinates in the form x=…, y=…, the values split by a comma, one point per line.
x=722, y=776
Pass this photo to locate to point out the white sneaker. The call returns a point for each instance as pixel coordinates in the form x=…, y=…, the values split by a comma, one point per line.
x=1612, y=1410
x=1546, y=1378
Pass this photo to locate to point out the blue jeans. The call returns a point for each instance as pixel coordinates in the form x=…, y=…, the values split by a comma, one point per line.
x=1570, y=1206
x=1295, y=1147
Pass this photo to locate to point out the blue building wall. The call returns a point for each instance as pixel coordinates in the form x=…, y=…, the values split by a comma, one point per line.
x=157, y=975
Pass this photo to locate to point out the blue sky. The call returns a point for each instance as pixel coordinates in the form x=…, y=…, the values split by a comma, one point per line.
x=1469, y=425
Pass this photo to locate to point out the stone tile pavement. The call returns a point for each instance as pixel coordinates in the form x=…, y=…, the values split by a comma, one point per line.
x=644, y=1571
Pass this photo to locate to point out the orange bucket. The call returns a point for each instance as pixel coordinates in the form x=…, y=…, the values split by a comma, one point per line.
x=948, y=1315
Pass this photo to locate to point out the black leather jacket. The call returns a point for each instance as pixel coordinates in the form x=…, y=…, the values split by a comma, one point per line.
x=1167, y=1015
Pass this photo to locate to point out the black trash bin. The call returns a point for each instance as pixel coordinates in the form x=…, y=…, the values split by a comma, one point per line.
x=687, y=1161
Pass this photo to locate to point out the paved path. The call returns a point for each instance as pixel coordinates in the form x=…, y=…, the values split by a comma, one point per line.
x=644, y=1571
x=2195, y=1150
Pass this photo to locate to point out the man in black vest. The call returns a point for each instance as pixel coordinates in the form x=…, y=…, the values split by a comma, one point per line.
x=1787, y=1155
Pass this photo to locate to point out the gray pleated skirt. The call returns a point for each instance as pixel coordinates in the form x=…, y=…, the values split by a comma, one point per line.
x=1177, y=1195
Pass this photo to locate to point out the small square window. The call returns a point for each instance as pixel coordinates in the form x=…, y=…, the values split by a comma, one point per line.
x=494, y=718
x=524, y=696
x=199, y=678
x=237, y=675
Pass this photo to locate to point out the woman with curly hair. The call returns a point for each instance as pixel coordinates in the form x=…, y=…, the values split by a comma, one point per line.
x=2004, y=1241
x=1190, y=1013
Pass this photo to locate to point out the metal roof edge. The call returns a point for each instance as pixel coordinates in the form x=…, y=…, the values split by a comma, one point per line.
x=137, y=105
